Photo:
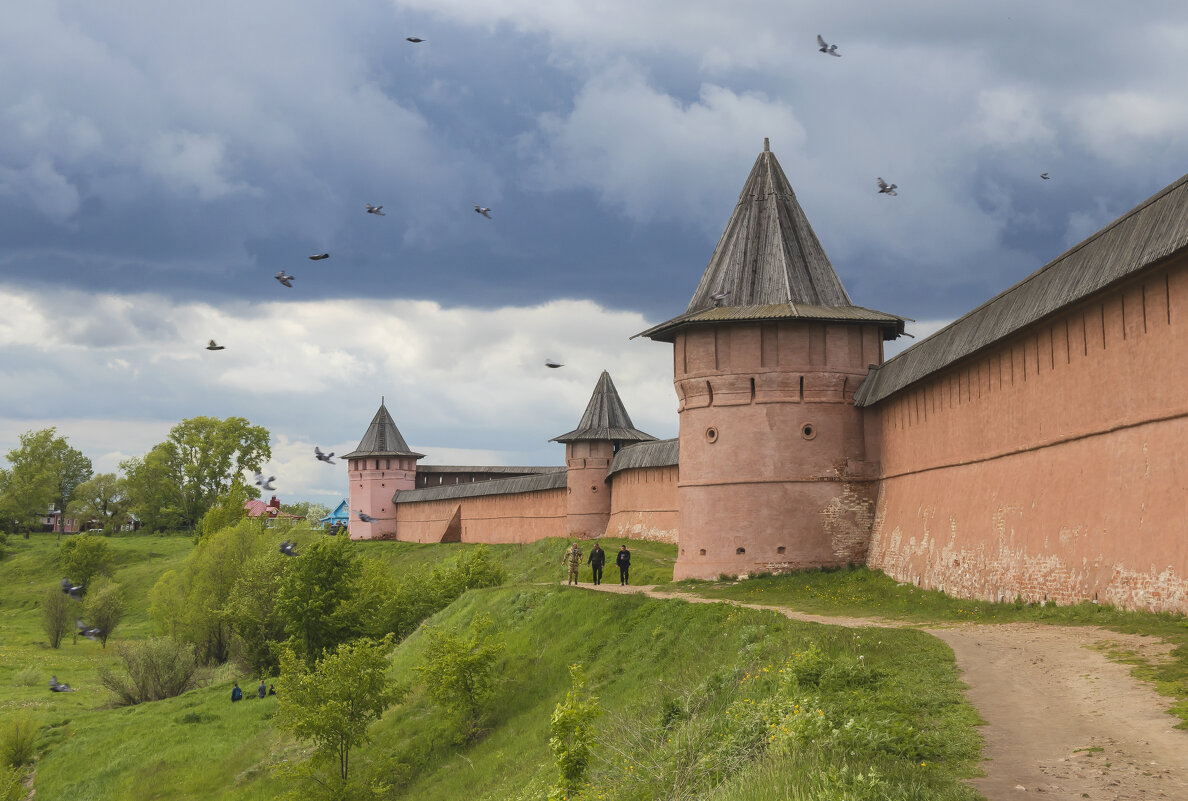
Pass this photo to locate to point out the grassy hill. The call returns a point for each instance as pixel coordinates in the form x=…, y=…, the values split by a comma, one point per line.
x=699, y=701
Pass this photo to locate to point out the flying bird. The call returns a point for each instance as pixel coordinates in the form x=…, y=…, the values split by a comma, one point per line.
x=720, y=296
x=413, y=39
x=58, y=687
x=366, y=518
x=887, y=189
x=827, y=48
x=553, y=363
x=212, y=345
x=286, y=280
x=72, y=589
x=483, y=210
x=288, y=548
x=324, y=457
x=90, y=632
x=319, y=256
x=374, y=209
x=262, y=484
x=1044, y=175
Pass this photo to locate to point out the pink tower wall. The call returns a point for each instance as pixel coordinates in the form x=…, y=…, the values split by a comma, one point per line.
x=773, y=470
x=1052, y=466
x=644, y=504
x=373, y=483
x=589, y=494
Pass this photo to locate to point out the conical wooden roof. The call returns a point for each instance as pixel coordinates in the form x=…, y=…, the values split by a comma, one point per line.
x=382, y=439
x=606, y=417
x=770, y=262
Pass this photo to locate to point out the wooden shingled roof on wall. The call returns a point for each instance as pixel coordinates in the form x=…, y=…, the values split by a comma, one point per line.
x=1150, y=232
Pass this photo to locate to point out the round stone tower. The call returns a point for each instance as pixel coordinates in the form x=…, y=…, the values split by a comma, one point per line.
x=381, y=465
x=604, y=428
x=773, y=453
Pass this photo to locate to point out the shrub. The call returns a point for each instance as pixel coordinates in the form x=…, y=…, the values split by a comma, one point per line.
x=56, y=614
x=12, y=786
x=572, y=740
x=154, y=669
x=104, y=609
x=17, y=738
x=459, y=673
x=28, y=676
x=85, y=556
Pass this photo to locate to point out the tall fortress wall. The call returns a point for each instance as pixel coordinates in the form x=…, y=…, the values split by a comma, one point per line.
x=1035, y=447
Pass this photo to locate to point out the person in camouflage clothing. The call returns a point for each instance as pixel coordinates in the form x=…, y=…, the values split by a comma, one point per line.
x=573, y=560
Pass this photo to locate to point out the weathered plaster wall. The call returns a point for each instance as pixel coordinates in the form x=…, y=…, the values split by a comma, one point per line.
x=644, y=504
x=513, y=518
x=1054, y=465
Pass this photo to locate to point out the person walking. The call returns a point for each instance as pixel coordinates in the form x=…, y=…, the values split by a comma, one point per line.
x=573, y=560
x=596, y=561
x=623, y=560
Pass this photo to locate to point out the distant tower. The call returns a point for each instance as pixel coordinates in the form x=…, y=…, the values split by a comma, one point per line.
x=377, y=468
x=589, y=448
x=774, y=472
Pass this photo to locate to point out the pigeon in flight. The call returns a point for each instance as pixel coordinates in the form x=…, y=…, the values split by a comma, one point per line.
x=328, y=458
x=72, y=589
x=720, y=296
x=366, y=518
x=288, y=548
x=483, y=210
x=285, y=279
x=212, y=345
x=1045, y=176
x=887, y=189
x=374, y=209
x=58, y=687
x=319, y=256
x=413, y=39
x=827, y=48
x=90, y=632
x=262, y=484
x=553, y=363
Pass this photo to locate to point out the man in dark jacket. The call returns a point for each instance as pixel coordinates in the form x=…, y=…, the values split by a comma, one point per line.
x=623, y=560
x=597, y=560
x=236, y=693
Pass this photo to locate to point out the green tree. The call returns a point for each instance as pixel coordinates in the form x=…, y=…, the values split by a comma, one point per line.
x=153, y=496
x=572, y=736
x=102, y=499
x=335, y=703
x=252, y=609
x=206, y=456
x=44, y=459
x=227, y=510
x=57, y=616
x=25, y=495
x=459, y=672
x=315, y=594
x=104, y=609
x=83, y=557
x=312, y=512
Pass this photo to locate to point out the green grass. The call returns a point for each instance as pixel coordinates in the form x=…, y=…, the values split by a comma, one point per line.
x=869, y=593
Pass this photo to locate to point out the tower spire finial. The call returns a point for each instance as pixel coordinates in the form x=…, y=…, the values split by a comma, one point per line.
x=766, y=145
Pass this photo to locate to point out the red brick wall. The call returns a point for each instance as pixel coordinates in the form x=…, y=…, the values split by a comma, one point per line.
x=513, y=518
x=644, y=504
x=1052, y=466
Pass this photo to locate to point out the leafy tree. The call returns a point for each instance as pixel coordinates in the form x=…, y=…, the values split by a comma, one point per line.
x=44, y=460
x=83, y=557
x=459, y=672
x=206, y=456
x=227, y=510
x=103, y=499
x=312, y=512
x=57, y=616
x=335, y=703
x=104, y=609
x=153, y=496
x=314, y=598
x=25, y=495
x=572, y=737
x=251, y=608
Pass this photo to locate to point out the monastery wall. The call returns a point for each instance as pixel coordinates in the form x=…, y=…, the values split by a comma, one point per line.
x=1053, y=464
x=508, y=518
x=644, y=504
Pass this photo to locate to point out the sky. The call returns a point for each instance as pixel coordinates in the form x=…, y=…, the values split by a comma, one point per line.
x=160, y=162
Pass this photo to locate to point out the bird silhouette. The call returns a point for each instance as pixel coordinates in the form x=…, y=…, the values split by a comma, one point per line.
x=58, y=687
x=72, y=589
x=286, y=280
x=720, y=296
x=288, y=548
x=324, y=457
x=265, y=484
x=413, y=39
x=1045, y=176
x=319, y=256
x=366, y=518
x=90, y=632
x=374, y=209
x=887, y=189
x=827, y=48
x=553, y=363
x=483, y=210
x=212, y=345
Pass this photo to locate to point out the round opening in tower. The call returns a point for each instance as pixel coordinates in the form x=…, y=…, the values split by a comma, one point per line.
x=808, y=431
x=711, y=435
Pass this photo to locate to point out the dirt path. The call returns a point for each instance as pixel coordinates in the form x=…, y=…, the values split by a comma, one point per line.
x=1062, y=720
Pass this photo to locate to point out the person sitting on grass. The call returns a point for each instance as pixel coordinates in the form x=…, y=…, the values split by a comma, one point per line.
x=236, y=693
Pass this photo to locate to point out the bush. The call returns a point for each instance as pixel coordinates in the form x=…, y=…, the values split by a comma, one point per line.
x=56, y=613
x=12, y=786
x=104, y=609
x=85, y=556
x=459, y=673
x=155, y=669
x=28, y=676
x=17, y=738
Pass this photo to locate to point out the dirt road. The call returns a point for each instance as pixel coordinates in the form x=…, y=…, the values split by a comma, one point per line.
x=1062, y=720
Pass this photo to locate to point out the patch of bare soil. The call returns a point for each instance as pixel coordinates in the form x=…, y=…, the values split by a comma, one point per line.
x=1062, y=720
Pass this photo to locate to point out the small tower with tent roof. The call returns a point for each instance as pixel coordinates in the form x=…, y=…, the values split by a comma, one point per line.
x=382, y=464
x=604, y=428
x=778, y=467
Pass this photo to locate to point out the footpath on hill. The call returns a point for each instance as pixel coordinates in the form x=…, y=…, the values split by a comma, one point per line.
x=1062, y=720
